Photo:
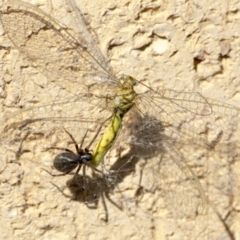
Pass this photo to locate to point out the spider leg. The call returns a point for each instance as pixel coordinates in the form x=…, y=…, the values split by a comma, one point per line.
x=74, y=141
x=83, y=139
x=90, y=144
x=86, y=149
x=89, y=165
x=78, y=169
x=105, y=208
x=58, y=148
x=55, y=175
x=112, y=202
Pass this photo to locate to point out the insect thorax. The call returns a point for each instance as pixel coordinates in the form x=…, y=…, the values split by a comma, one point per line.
x=125, y=94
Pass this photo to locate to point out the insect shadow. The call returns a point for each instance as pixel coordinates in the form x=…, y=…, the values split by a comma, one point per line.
x=145, y=142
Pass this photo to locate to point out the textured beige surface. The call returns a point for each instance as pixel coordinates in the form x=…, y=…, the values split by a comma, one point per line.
x=181, y=45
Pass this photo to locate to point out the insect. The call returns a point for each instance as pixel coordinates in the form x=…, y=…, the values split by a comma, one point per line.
x=86, y=91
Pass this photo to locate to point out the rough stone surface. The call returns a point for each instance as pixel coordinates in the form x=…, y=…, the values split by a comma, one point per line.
x=181, y=45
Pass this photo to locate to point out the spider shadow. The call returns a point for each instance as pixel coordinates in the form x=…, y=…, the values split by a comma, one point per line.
x=146, y=135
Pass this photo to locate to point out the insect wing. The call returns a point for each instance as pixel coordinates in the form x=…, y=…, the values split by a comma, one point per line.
x=62, y=97
x=192, y=118
x=171, y=120
x=52, y=49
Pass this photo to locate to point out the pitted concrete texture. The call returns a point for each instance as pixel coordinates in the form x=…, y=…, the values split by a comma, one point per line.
x=187, y=46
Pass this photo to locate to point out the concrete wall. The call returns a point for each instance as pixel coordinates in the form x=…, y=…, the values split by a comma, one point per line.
x=186, y=46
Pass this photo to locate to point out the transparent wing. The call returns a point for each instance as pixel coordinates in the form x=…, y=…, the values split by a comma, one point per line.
x=53, y=50
x=71, y=65
x=192, y=118
x=164, y=168
x=74, y=65
x=169, y=121
x=55, y=115
x=183, y=192
x=91, y=38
